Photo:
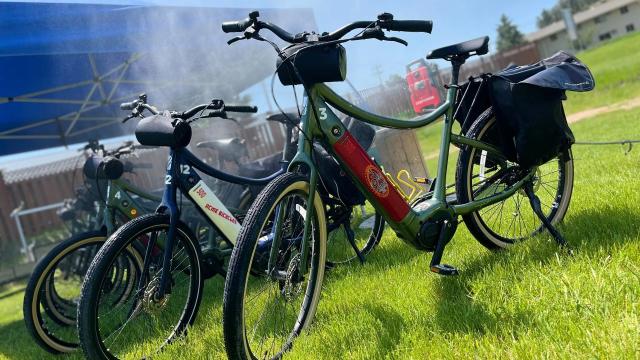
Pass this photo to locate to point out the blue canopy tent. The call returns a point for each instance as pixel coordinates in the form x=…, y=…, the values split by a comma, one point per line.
x=64, y=68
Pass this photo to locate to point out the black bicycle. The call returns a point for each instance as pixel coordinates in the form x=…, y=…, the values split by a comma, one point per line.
x=169, y=287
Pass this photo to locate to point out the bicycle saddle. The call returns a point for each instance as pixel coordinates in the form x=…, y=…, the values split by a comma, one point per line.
x=463, y=50
x=229, y=149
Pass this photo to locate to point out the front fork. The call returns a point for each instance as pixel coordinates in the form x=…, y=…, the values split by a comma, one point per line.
x=169, y=203
x=302, y=158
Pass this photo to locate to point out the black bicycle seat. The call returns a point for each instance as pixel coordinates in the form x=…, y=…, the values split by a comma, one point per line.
x=229, y=149
x=463, y=50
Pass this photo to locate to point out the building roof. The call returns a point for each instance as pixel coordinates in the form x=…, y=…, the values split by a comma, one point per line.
x=591, y=13
x=65, y=162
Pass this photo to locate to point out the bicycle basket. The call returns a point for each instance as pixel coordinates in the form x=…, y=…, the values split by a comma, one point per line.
x=314, y=63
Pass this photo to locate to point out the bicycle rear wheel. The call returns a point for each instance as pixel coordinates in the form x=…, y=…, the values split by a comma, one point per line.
x=141, y=323
x=50, y=299
x=511, y=220
x=366, y=225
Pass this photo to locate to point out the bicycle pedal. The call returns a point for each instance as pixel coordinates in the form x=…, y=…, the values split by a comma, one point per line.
x=444, y=270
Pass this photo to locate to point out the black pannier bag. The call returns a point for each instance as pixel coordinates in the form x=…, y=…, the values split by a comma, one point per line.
x=527, y=101
x=472, y=100
x=315, y=62
x=333, y=177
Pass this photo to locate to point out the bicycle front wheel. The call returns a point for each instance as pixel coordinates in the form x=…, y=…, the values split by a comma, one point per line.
x=511, y=220
x=267, y=304
x=116, y=320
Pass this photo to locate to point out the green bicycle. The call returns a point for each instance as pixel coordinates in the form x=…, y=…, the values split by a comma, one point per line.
x=51, y=294
x=269, y=300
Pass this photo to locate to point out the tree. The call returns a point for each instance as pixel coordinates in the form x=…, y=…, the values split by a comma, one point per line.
x=549, y=16
x=545, y=18
x=508, y=34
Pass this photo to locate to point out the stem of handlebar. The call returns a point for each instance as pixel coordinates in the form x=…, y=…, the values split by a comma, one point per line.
x=150, y=108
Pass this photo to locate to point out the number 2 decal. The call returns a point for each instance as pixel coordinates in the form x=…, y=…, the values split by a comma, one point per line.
x=167, y=179
x=323, y=113
x=185, y=169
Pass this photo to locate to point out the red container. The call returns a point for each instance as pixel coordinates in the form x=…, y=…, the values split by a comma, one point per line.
x=425, y=94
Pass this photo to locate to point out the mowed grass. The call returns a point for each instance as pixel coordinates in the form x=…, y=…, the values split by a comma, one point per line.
x=616, y=69
x=531, y=300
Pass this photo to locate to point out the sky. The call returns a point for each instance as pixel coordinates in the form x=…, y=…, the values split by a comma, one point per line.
x=371, y=61
x=454, y=21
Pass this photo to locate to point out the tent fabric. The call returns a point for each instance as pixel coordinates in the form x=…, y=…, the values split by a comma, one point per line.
x=64, y=68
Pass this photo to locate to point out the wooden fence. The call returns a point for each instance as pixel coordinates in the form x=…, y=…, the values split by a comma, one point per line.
x=51, y=184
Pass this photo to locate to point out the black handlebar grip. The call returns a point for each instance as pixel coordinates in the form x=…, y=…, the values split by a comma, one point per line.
x=241, y=108
x=235, y=26
x=128, y=105
x=410, y=25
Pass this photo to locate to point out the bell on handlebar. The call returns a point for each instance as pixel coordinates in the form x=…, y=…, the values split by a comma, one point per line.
x=385, y=16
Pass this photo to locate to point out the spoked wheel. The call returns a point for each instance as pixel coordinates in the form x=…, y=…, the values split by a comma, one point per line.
x=366, y=227
x=118, y=321
x=478, y=176
x=267, y=304
x=53, y=291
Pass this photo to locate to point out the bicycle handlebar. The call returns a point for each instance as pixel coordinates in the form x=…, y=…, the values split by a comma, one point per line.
x=408, y=25
x=216, y=105
x=236, y=26
x=129, y=105
x=385, y=21
x=241, y=108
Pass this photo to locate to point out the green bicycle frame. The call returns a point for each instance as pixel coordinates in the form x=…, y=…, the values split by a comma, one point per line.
x=320, y=124
x=121, y=198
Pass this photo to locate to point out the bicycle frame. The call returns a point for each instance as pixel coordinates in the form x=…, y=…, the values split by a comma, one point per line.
x=120, y=200
x=181, y=175
x=321, y=124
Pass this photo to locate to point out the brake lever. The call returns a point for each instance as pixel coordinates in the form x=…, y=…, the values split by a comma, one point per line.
x=237, y=38
x=396, y=39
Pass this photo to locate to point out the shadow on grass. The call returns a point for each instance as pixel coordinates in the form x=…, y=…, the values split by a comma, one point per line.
x=458, y=312
x=11, y=293
x=16, y=343
x=388, y=336
x=382, y=257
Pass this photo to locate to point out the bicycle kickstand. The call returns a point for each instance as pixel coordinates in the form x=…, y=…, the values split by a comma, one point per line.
x=351, y=238
x=535, y=205
x=443, y=239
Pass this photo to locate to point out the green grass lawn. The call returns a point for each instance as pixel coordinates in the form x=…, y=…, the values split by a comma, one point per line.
x=528, y=301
